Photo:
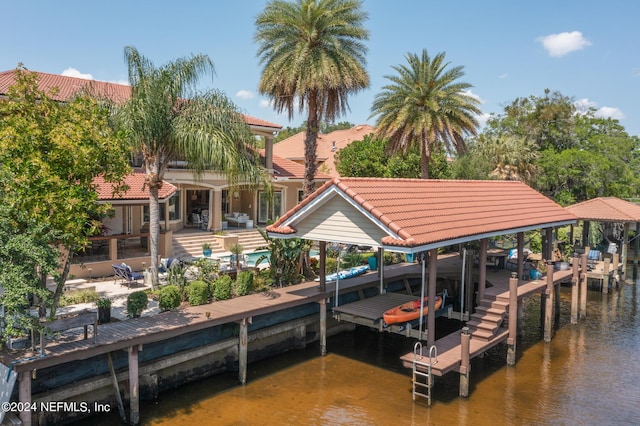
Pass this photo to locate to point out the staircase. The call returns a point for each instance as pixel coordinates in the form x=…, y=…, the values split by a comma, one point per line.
x=190, y=243
x=488, y=318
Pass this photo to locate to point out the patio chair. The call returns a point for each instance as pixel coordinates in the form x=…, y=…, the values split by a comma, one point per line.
x=196, y=220
x=125, y=274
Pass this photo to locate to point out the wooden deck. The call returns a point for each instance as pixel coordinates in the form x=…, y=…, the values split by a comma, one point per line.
x=145, y=330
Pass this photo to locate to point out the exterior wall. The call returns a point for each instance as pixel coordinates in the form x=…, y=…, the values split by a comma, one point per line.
x=337, y=220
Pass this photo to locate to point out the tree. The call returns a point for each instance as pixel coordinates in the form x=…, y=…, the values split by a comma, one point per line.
x=50, y=153
x=425, y=105
x=313, y=57
x=367, y=158
x=166, y=120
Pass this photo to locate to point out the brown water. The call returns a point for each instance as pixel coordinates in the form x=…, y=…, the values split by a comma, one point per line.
x=588, y=375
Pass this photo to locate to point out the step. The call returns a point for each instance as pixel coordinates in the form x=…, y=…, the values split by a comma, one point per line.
x=481, y=325
x=498, y=304
x=491, y=311
x=481, y=334
x=490, y=318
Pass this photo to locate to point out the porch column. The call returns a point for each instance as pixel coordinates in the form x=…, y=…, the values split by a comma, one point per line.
x=215, y=210
x=431, y=315
x=483, y=269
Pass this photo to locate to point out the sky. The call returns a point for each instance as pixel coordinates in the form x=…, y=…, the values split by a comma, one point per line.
x=586, y=50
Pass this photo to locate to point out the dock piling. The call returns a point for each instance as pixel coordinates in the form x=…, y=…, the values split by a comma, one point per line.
x=513, y=319
x=548, y=311
x=465, y=364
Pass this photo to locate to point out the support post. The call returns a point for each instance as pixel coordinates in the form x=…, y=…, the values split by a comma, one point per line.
x=605, y=276
x=24, y=396
x=381, y=269
x=636, y=252
x=625, y=252
x=134, y=387
x=575, y=279
x=116, y=388
x=583, y=286
x=243, y=343
x=483, y=268
x=548, y=312
x=322, y=254
x=521, y=258
x=431, y=315
x=323, y=327
x=465, y=364
x=513, y=319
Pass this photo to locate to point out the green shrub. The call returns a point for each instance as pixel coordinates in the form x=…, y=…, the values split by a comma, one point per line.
x=78, y=296
x=198, y=293
x=244, y=283
x=136, y=303
x=330, y=265
x=222, y=288
x=169, y=298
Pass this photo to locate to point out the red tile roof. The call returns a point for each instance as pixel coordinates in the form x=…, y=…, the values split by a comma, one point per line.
x=606, y=209
x=136, y=191
x=70, y=86
x=439, y=212
x=328, y=144
x=287, y=170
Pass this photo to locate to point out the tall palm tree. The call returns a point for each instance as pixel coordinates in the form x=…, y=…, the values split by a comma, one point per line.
x=425, y=105
x=313, y=56
x=165, y=119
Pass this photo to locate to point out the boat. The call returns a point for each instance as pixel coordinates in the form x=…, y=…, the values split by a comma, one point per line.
x=346, y=273
x=409, y=311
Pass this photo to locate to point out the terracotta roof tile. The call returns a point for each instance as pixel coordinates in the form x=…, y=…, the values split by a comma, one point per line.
x=287, y=169
x=423, y=212
x=136, y=191
x=69, y=86
x=293, y=147
x=606, y=209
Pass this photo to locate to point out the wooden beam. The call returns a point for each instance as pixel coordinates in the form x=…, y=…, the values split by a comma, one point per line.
x=134, y=386
x=243, y=350
x=465, y=363
x=583, y=284
x=548, y=312
x=116, y=388
x=323, y=327
x=575, y=291
x=521, y=258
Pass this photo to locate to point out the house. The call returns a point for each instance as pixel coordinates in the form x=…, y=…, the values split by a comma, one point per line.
x=292, y=148
x=210, y=197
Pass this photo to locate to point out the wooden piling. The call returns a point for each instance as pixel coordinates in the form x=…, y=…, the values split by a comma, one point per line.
x=548, y=312
x=513, y=319
x=243, y=349
x=24, y=396
x=465, y=361
x=134, y=387
x=431, y=315
x=575, y=279
x=323, y=327
x=583, y=285
x=605, y=276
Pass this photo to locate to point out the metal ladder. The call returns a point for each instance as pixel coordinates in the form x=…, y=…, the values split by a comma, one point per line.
x=420, y=386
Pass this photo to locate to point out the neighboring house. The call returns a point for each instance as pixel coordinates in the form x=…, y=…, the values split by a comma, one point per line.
x=209, y=197
x=292, y=148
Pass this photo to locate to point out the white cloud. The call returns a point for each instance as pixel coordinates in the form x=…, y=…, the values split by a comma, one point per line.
x=482, y=119
x=560, y=44
x=585, y=105
x=266, y=103
x=72, y=72
x=473, y=95
x=503, y=76
x=245, y=94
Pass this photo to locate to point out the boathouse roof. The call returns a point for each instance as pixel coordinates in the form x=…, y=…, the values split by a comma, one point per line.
x=411, y=215
x=606, y=209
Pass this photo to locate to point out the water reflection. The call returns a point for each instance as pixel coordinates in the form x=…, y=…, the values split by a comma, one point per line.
x=588, y=374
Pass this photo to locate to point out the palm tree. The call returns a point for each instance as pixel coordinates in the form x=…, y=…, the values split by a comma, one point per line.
x=425, y=105
x=164, y=120
x=313, y=56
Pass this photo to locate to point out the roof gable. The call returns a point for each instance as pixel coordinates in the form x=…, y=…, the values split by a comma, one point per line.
x=606, y=209
x=416, y=212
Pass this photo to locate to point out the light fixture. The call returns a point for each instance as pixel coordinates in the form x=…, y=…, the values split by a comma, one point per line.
x=236, y=195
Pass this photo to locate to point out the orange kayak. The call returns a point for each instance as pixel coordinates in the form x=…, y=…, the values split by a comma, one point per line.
x=409, y=311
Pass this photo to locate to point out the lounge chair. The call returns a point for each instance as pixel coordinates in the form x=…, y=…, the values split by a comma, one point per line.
x=126, y=275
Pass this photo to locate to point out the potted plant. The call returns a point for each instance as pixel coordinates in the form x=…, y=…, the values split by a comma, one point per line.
x=236, y=255
x=104, y=310
x=206, y=250
x=136, y=303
